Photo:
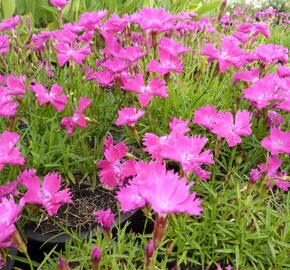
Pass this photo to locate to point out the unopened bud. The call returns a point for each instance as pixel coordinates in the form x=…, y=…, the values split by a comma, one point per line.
x=62, y=264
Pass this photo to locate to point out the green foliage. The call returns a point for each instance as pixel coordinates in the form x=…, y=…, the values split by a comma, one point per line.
x=42, y=13
x=7, y=8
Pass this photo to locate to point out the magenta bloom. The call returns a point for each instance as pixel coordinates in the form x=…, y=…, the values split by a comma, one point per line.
x=155, y=87
x=8, y=107
x=92, y=20
x=10, y=24
x=251, y=75
x=163, y=190
x=254, y=29
x=226, y=127
x=4, y=44
x=179, y=126
x=168, y=63
x=115, y=66
x=113, y=171
x=129, y=116
x=105, y=218
x=205, y=116
x=116, y=24
x=230, y=54
x=39, y=40
x=10, y=188
x=263, y=92
x=78, y=118
x=171, y=46
x=271, y=54
x=187, y=151
x=65, y=37
x=283, y=71
x=9, y=153
x=131, y=54
x=59, y=3
x=278, y=142
x=104, y=78
x=9, y=214
x=56, y=97
x=16, y=85
x=130, y=198
x=156, y=146
x=49, y=195
x=152, y=19
x=274, y=119
x=67, y=52
x=270, y=172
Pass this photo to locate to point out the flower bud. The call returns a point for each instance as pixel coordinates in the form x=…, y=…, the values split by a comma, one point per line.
x=62, y=264
x=96, y=258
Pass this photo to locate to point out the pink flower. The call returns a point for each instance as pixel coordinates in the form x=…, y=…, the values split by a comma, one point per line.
x=10, y=188
x=226, y=127
x=92, y=20
x=187, y=151
x=278, y=142
x=105, y=218
x=229, y=55
x=78, y=118
x=274, y=119
x=48, y=195
x=56, y=97
x=130, y=198
x=113, y=171
x=156, y=146
x=39, y=40
x=9, y=214
x=162, y=190
x=9, y=153
x=263, y=92
x=283, y=71
x=7, y=105
x=254, y=29
x=155, y=87
x=205, y=116
x=115, y=66
x=179, y=126
x=59, y=3
x=172, y=46
x=131, y=54
x=168, y=63
x=67, y=52
x=153, y=19
x=116, y=24
x=16, y=85
x=4, y=44
x=10, y=24
x=271, y=54
x=64, y=36
x=251, y=75
x=129, y=116
x=105, y=78
x=271, y=173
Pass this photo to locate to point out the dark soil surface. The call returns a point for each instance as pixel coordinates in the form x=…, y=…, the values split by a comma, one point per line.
x=78, y=215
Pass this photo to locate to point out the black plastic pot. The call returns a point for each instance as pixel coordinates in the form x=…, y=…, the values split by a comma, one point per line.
x=40, y=244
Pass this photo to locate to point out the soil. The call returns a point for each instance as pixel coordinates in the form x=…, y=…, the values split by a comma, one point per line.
x=78, y=215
